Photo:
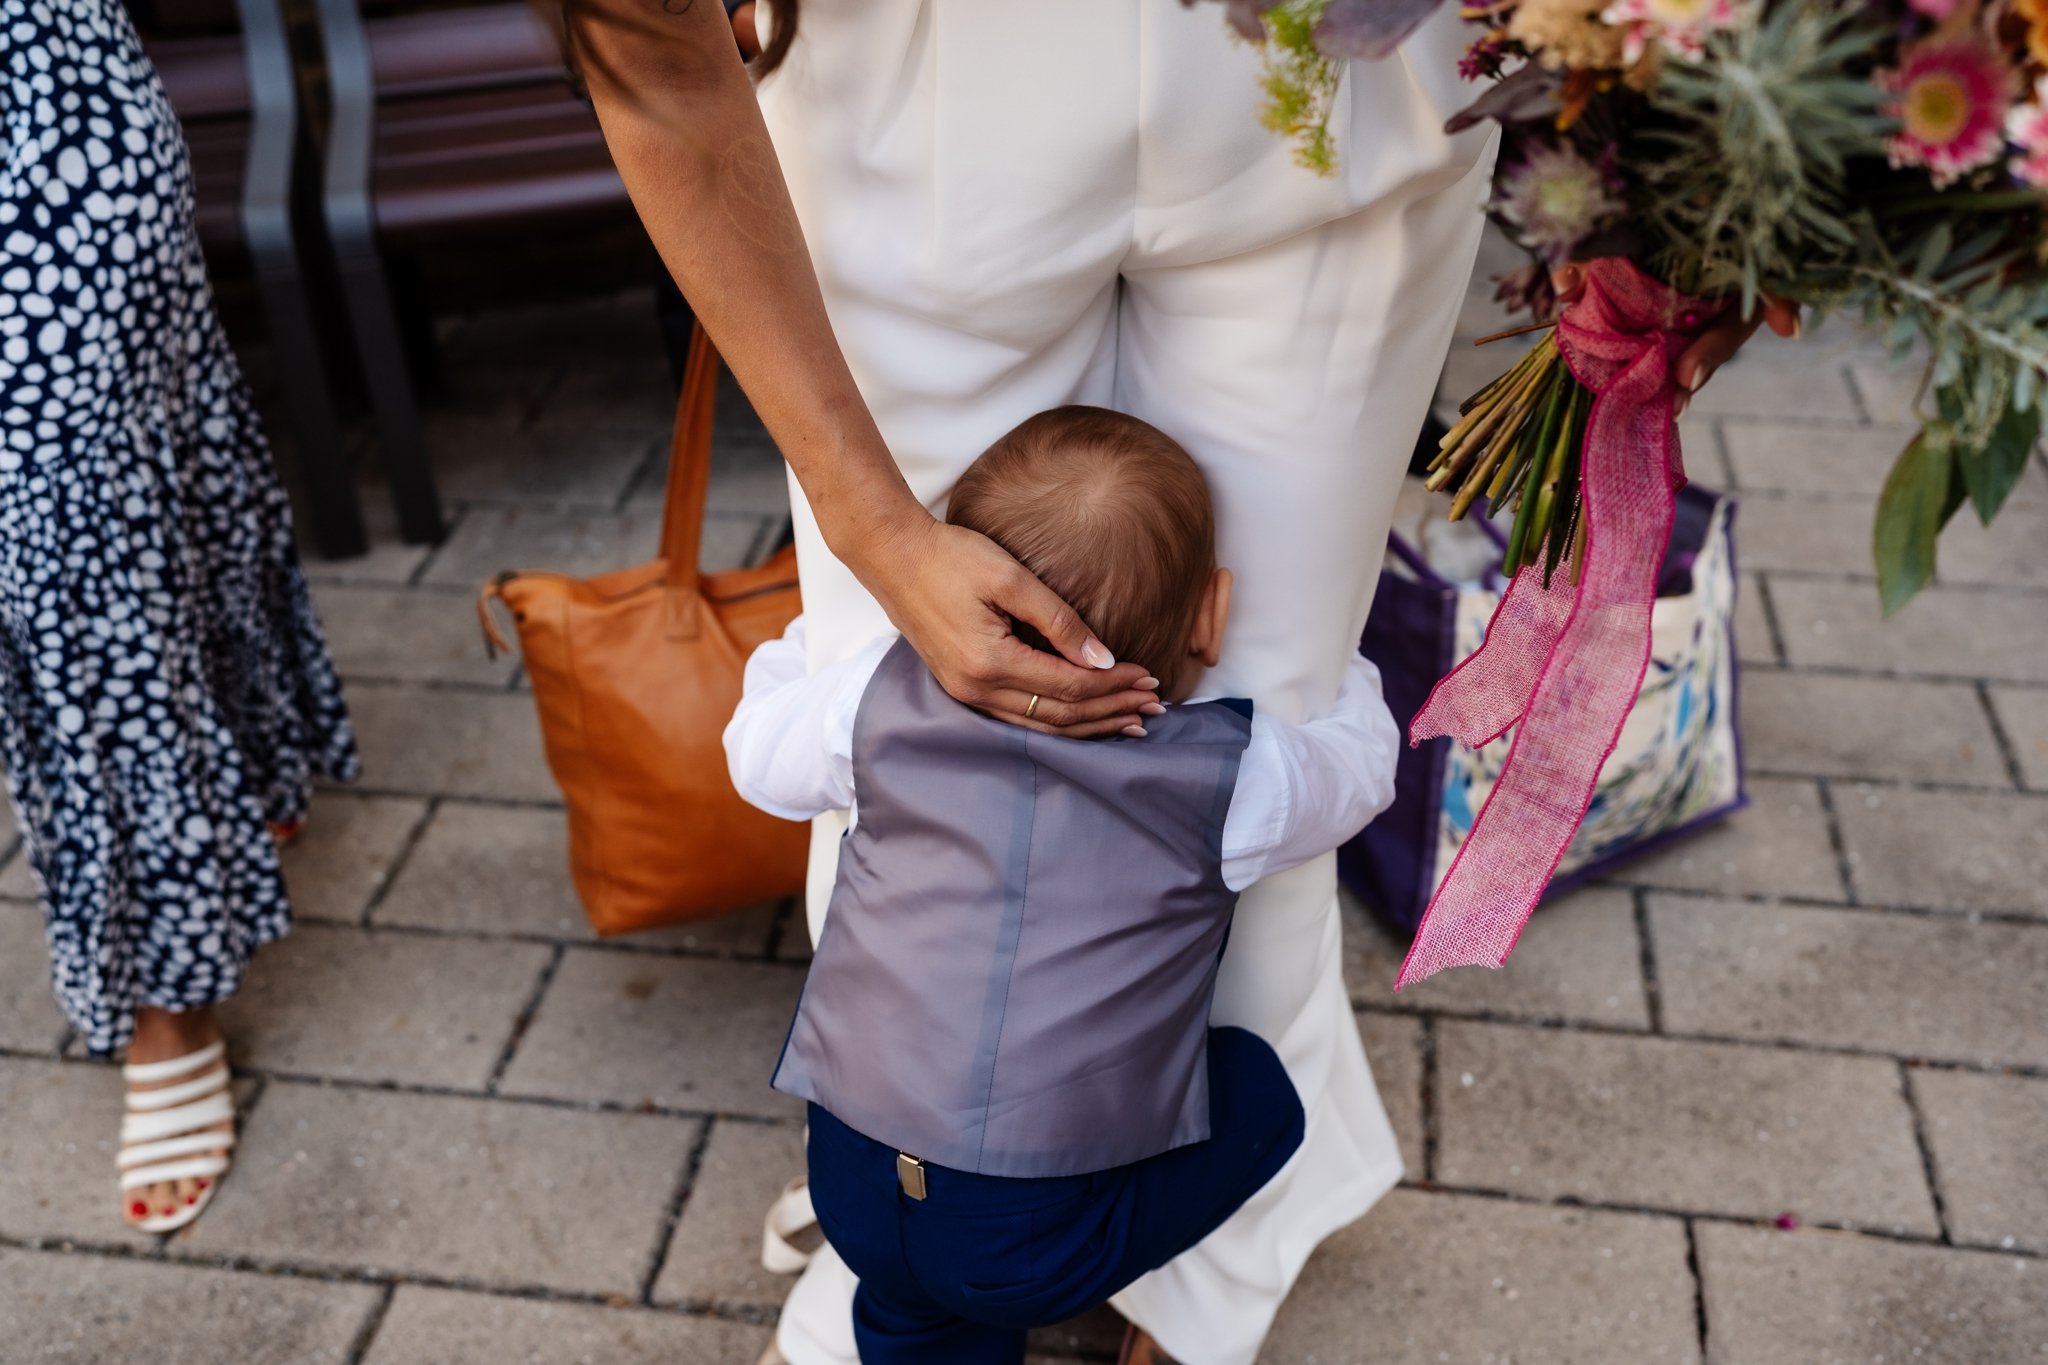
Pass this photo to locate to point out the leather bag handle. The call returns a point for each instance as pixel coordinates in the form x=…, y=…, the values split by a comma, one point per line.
x=689, y=467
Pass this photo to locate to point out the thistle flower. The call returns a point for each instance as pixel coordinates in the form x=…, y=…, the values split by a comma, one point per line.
x=1951, y=103
x=1680, y=26
x=1555, y=199
x=1567, y=34
x=2028, y=128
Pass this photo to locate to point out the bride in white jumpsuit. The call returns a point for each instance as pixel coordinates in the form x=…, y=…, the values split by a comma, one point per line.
x=1013, y=204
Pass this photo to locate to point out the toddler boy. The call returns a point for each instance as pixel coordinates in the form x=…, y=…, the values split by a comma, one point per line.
x=1017, y=1104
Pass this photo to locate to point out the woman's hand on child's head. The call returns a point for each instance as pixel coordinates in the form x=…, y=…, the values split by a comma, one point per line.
x=954, y=592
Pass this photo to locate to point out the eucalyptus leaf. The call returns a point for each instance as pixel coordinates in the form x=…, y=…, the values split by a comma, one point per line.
x=1991, y=468
x=1910, y=512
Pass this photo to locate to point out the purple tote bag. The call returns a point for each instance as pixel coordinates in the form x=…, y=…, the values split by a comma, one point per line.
x=1677, y=768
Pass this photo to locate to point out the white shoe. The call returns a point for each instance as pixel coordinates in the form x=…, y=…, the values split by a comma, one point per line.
x=170, y=1133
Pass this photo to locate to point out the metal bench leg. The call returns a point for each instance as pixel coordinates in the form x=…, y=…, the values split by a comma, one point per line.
x=337, y=515
x=380, y=349
x=268, y=176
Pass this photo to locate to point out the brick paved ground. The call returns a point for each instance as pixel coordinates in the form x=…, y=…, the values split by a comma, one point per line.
x=474, y=1134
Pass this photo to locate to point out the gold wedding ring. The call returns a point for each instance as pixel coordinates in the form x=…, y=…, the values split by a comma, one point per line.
x=1031, y=711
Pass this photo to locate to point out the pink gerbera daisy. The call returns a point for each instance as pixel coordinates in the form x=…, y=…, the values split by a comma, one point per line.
x=1951, y=105
x=2028, y=128
x=1681, y=26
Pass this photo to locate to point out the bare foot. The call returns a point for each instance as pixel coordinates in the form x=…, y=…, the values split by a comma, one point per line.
x=163, y=1036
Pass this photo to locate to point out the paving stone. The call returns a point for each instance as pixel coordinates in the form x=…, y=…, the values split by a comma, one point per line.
x=508, y=391
x=1096, y=1335
x=510, y=1195
x=793, y=943
x=493, y=540
x=1393, y=1045
x=505, y=870
x=362, y=1005
x=585, y=331
x=1814, y=1298
x=490, y=870
x=682, y=1032
x=1700, y=450
x=1890, y=388
x=409, y=636
x=634, y=392
x=345, y=853
x=1944, y=632
x=1989, y=1136
x=748, y=477
x=1659, y=1123
x=446, y=1327
x=2023, y=712
x=1821, y=535
x=714, y=1258
x=1946, y=850
x=1778, y=846
x=451, y=742
x=1840, y=726
x=58, y=1123
x=1578, y=960
x=563, y=465
x=1838, y=460
x=1857, y=979
x=1426, y=1278
x=29, y=1018
x=17, y=878
x=2005, y=553
x=1753, y=639
x=96, y=1309
x=1774, y=378
x=1800, y=534
x=387, y=560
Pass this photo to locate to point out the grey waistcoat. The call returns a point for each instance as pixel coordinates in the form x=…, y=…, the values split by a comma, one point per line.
x=1016, y=967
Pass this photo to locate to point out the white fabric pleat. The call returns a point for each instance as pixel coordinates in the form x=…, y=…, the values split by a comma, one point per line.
x=1017, y=206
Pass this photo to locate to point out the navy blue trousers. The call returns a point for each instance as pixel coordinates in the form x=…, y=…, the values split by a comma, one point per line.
x=958, y=1277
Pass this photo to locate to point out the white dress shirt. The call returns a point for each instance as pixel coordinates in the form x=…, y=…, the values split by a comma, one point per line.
x=1301, y=789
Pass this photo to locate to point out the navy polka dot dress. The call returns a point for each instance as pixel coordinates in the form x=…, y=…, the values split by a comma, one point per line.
x=164, y=687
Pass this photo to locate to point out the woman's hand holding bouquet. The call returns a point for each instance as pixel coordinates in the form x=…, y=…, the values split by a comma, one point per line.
x=1689, y=169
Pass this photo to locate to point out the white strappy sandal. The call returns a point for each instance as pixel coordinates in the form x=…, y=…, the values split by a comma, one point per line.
x=169, y=1134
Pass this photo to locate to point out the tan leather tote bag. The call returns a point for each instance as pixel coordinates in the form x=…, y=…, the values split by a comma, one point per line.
x=635, y=674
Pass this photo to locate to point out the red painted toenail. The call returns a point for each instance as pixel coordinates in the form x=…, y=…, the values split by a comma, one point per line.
x=202, y=1184
x=191, y=1198
x=138, y=1209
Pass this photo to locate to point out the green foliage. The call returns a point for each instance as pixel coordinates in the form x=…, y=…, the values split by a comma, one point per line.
x=1921, y=493
x=1300, y=83
x=1748, y=180
x=1762, y=176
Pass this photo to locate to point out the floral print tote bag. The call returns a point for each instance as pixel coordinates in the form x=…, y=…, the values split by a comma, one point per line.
x=1677, y=767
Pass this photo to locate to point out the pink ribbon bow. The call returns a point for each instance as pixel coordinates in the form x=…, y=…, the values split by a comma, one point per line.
x=1565, y=662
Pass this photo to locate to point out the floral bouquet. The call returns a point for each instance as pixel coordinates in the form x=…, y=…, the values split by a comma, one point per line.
x=1686, y=158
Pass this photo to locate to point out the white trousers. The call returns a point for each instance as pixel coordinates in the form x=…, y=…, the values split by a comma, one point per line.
x=1018, y=205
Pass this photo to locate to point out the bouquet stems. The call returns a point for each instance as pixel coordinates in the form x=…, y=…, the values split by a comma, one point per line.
x=1518, y=444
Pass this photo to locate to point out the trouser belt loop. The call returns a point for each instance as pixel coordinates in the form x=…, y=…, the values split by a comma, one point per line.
x=910, y=1175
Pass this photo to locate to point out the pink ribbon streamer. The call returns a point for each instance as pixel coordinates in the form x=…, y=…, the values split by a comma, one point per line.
x=1565, y=662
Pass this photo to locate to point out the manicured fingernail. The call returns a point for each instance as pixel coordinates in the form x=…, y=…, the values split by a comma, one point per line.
x=1147, y=684
x=1153, y=708
x=1135, y=731
x=1097, y=655
x=1678, y=404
